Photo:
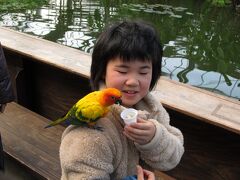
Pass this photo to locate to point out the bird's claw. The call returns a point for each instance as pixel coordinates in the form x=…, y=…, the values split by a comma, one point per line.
x=99, y=128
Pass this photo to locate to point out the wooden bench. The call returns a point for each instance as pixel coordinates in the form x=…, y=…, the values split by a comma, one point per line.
x=25, y=139
x=201, y=104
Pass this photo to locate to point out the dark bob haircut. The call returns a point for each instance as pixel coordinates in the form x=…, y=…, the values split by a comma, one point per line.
x=130, y=41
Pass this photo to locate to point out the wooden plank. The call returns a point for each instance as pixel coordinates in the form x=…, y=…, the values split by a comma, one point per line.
x=26, y=140
x=66, y=58
x=195, y=102
x=162, y=176
x=204, y=105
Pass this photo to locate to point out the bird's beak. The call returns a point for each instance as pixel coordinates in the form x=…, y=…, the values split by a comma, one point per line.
x=118, y=101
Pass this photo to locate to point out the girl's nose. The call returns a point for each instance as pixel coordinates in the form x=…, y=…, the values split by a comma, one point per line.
x=132, y=81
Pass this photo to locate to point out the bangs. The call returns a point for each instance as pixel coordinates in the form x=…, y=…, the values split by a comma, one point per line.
x=131, y=47
x=131, y=50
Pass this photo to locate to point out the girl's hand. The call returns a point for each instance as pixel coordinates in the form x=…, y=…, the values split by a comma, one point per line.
x=141, y=132
x=144, y=174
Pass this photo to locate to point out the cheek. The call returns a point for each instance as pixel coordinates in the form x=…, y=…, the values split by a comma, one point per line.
x=146, y=82
x=112, y=80
x=145, y=85
x=145, y=88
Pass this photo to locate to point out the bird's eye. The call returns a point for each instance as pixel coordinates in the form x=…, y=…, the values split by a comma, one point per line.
x=113, y=97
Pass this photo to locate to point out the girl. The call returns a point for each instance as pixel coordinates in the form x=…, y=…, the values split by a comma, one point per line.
x=127, y=56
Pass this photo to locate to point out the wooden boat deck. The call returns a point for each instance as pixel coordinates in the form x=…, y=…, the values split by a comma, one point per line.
x=201, y=104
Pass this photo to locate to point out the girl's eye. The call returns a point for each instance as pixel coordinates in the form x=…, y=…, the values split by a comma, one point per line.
x=122, y=72
x=143, y=73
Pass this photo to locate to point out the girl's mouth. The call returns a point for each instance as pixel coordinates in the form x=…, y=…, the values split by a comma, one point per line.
x=130, y=93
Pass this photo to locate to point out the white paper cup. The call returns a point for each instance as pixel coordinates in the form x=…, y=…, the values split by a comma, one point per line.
x=129, y=116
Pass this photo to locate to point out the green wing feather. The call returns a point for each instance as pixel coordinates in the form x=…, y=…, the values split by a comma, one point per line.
x=69, y=117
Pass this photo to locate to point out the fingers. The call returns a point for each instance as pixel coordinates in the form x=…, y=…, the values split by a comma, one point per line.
x=140, y=175
x=136, y=138
x=141, y=132
x=137, y=132
x=140, y=127
x=144, y=174
x=129, y=137
x=150, y=175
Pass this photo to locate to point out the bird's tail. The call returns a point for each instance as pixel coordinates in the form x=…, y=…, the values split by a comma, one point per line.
x=58, y=121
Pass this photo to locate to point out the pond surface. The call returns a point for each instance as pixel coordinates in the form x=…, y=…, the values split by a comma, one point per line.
x=201, y=42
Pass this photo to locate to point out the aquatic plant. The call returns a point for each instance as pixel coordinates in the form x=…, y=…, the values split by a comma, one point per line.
x=7, y=5
x=220, y=3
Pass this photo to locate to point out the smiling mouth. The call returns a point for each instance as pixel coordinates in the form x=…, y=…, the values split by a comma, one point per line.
x=130, y=92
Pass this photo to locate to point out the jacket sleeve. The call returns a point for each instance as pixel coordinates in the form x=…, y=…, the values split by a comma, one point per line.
x=84, y=158
x=165, y=150
x=6, y=91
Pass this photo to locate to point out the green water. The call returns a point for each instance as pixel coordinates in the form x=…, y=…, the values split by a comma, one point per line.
x=201, y=42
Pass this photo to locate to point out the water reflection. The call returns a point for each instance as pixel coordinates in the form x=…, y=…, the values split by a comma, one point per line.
x=179, y=69
x=200, y=42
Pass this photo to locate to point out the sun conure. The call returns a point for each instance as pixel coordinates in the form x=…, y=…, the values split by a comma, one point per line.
x=90, y=108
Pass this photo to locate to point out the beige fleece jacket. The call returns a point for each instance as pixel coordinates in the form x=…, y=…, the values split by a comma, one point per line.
x=91, y=154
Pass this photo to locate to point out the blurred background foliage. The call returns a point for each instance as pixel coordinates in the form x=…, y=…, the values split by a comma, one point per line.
x=9, y=5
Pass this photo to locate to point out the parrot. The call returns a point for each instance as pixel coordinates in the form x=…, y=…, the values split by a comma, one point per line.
x=90, y=108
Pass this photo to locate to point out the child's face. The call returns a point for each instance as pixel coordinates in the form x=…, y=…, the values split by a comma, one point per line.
x=131, y=78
